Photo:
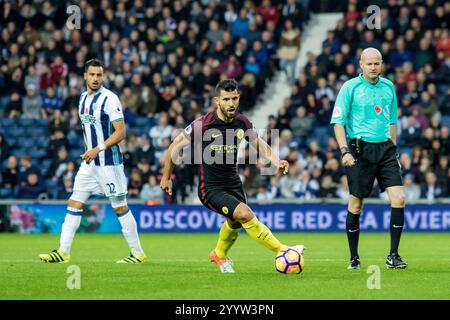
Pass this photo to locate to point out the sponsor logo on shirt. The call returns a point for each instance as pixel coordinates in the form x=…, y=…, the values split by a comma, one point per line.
x=223, y=148
x=88, y=119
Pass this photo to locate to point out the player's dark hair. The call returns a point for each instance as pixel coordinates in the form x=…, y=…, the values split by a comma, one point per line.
x=228, y=85
x=93, y=63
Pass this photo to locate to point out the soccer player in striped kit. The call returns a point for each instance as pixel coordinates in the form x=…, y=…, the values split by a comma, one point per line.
x=101, y=171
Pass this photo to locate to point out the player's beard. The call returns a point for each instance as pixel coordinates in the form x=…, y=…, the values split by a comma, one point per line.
x=94, y=88
x=228, y=117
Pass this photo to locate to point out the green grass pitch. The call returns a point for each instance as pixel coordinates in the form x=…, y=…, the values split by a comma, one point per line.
x=179, y=268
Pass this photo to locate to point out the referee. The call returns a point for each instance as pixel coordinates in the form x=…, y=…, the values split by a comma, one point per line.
x=366, y=112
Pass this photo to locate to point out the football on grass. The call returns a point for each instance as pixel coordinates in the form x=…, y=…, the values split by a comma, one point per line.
x=289, y=261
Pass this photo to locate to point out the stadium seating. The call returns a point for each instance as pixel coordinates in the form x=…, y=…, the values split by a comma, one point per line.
x=184, y=82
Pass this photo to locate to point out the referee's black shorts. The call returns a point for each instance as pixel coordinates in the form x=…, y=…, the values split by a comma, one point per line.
x=376, y=160
x=224, y=200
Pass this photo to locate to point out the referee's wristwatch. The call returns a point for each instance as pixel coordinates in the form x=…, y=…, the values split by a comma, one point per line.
x=344, y=151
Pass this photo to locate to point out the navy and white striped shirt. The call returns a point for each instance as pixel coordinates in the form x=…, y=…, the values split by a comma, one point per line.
x=97, y=113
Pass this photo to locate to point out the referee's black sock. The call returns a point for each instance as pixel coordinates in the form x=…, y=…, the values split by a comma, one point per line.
x=352, y=226
x=397, y=220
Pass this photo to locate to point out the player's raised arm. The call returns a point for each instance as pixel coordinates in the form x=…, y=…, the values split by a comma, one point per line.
x=266, y=151
x=180, y=141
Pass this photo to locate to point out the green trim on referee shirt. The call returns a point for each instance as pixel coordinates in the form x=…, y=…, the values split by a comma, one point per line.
x=366, y=109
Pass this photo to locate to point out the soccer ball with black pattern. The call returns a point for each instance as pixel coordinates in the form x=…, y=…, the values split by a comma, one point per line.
x=289, y=261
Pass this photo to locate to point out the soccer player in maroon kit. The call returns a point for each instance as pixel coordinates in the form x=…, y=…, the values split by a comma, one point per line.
x=214, y=139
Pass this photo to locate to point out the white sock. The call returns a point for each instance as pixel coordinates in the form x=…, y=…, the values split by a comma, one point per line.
x=129, y=230
x=69, y=228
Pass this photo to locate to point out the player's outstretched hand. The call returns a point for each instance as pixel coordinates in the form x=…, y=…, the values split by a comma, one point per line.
x=90, y=155
x=283, y=168
x=166, y=185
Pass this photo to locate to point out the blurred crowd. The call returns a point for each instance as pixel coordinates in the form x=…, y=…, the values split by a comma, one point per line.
x=163, y=58
x=415, y=44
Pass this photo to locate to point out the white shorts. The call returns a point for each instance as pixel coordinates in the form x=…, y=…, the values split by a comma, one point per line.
x=104, y=180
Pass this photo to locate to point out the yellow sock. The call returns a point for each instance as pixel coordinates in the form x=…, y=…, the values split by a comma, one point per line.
x=227, y=237
x=262, y=234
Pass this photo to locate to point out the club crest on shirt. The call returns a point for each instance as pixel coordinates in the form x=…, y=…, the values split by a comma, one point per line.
x=240, y=134
x=377, y=109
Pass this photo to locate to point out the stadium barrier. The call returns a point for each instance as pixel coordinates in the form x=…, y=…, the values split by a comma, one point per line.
x=283, y=216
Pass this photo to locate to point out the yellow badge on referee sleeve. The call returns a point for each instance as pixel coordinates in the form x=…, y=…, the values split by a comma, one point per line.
x=225, y=210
